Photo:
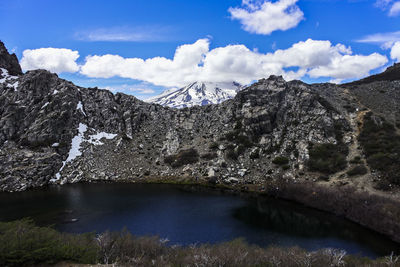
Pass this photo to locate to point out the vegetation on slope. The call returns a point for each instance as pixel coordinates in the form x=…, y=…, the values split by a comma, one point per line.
x=381, y=146
x=22, y=243
x=182, y=158
x=329, y=158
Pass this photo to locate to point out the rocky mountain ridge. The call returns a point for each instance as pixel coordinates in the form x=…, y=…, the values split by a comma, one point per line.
x=197, y=94
x=54, y=132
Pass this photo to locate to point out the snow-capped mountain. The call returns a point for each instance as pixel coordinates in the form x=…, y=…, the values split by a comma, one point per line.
x=197, y=94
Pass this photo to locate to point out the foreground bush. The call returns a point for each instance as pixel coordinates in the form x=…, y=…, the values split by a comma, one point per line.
x=24, y=244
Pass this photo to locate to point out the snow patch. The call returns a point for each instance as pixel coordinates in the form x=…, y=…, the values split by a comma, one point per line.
x=75, y=152
x=45, y=105
x=15, y=85
x=80, y=107
x=95, y=138
x=7, y=78
x=75, y=149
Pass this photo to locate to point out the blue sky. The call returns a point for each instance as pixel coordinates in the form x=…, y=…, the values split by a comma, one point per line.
x=222, y=38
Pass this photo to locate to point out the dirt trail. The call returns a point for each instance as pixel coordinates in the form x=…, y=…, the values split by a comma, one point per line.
x=364, y=182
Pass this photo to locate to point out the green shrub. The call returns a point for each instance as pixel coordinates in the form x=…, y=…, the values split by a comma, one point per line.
x=184, y=157
x=285, y=167
x=357, y=170
x=255, y=154
x=209, y=156
x=327, y=158
x=213, y=146
x=231, y=154
x=355, y=160
x=232, y=135
x=280, y=160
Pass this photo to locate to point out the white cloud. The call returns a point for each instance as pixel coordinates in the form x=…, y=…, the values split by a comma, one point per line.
x=53, y=59
x=349, y=66
x=393, y=6
x=395, y=52
x=383, y=4
x=264, y=17
x=196, y=62
x=124, y=34
x=386, y=39
x=395, y=9
x=183, y=68
x=141, y=89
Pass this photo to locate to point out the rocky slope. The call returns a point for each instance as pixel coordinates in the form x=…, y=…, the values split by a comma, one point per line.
x=197, y=94
x=54, y=132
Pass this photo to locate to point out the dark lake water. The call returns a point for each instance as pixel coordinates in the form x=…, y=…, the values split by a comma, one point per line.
x=186, y=216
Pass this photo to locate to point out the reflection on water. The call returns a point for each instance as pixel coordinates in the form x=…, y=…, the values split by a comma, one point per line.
x=302, y=223
x=187, y=216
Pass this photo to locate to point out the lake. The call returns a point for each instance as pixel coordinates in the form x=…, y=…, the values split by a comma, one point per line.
x=186, y=215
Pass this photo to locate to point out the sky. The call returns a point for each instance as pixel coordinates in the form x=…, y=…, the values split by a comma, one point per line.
x=143, y=47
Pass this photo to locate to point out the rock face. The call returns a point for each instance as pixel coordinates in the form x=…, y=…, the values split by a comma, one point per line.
x=52, y=131
x=9, y=62
x=197, y=94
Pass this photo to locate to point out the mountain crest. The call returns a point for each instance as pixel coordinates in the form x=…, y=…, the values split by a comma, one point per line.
x=9, y=61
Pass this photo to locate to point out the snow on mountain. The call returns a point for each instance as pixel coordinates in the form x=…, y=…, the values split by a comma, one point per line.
x=197, y=94
x=10, y=81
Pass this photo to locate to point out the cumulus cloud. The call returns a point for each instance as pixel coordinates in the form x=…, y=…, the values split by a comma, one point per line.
x=183, y=68
x=196, y=62
x=395, y=9
x=349, y=66
x=53, y=59
x=264, y=17
x=395, y=52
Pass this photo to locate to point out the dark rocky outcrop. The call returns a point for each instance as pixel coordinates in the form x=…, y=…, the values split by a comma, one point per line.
x=9, y=62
